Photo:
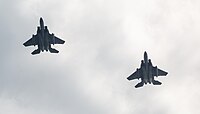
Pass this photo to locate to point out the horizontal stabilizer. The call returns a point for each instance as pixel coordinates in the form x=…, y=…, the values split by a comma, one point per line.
x=52, y=50
x=37, y=51
x=139, y=85
x=156, y=82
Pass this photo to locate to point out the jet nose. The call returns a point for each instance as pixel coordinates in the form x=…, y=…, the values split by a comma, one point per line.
x=145, y=57
x=145, y=53
x=41, y=19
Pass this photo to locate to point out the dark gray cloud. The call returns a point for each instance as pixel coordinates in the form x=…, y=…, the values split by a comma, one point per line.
x=105, y=41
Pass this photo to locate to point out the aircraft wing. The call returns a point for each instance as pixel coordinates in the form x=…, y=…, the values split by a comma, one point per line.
x=135, y=75
x=55, y=40
x=158, y=72
x=32, y=41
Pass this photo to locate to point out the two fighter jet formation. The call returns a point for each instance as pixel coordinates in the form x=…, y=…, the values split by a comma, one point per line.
x=43, y=39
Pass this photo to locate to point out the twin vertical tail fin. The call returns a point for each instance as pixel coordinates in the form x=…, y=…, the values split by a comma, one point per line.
x=52, y=50
x=155, y=82
x=139, y=85
x=37, y=51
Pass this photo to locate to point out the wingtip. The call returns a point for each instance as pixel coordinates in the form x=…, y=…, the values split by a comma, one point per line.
x=128, y=78
x=24, y=44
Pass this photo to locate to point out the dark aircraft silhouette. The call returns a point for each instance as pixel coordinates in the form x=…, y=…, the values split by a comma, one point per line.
x=147, y=72
x=43, y=39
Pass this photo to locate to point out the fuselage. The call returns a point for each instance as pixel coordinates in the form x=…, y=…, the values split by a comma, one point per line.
x=147, y=76
x=43, y=33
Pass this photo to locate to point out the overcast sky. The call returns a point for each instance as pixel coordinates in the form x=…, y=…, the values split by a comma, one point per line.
x=105, y=42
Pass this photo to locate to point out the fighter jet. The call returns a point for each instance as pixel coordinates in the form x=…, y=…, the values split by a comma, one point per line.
x=43, y=39
x=147, y=72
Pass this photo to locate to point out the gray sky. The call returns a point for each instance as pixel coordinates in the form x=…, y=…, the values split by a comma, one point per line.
x=105, y=41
